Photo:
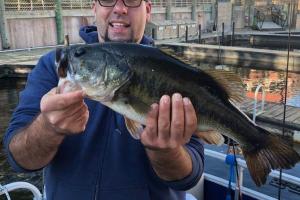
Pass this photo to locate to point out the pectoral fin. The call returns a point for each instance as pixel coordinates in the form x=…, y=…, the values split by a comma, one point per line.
x=210, y=137
x=134, y=128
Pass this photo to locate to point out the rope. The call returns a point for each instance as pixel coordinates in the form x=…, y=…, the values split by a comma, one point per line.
x=285, y=95
x=237, y=175
x=230, y=161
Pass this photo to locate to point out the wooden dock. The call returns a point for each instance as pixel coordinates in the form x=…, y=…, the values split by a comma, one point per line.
x=273, y=114
x=19, y=63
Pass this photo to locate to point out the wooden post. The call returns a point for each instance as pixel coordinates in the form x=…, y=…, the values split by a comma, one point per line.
x=200, y=30
x=31, y=5
x=59, y=22
x=223, y=33
x=66, y=41
x=194, y=9
x=3, y=32
x=186, y=33
x=233, y=34
x=168, y=10
x=153, y=33
x=19, y=6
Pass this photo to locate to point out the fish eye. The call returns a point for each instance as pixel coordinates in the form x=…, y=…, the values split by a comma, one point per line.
x=79, y=52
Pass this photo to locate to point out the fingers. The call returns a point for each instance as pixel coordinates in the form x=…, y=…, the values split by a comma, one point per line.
x=71, y=111
x=65, y=113
x=170, y=124
x=52, y=101
x=77, y=121
x=178, y=120
x=150, y=134
x=164, y=118
x=190, y=118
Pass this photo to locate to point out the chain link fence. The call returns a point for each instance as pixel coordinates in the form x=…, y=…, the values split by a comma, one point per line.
x=30, y=5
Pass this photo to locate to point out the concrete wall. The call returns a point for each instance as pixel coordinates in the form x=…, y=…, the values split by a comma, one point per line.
x=0, y=44
x=224, y=15
x=158, y=14
x=239, y=16
x=298, y=16
x=298, y=22
x=181, y=13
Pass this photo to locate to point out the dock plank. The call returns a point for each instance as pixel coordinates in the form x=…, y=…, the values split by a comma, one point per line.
x=274, y=112
x=280, y=115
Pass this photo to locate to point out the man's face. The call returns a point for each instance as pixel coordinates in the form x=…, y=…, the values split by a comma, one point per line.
x=121, y=23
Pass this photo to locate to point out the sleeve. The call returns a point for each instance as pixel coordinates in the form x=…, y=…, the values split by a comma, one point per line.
x=41, y=79
x=196, y=150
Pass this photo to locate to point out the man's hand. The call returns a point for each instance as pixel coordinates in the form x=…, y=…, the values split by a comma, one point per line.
x=170, y=124
x=64, y=113
x=61, y=114
x=169, y=127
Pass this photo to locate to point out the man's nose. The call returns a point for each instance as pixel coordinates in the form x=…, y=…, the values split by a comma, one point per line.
x=120, y=7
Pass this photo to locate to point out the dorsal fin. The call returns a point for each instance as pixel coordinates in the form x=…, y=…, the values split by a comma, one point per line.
x=230, y=82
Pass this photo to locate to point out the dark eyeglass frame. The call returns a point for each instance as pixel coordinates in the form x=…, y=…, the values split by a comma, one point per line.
x=99, y=1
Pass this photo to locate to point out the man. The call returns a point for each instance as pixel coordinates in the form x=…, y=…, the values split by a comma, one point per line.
x=84, y=147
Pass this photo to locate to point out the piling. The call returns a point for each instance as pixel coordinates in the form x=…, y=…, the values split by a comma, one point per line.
x=153, y=34
x=194, y=10
x=186, y=33
x=3, y=31
x=59, y=22
x=168, y=10
x=223, y=34
x=233, y=34
x=200, y=30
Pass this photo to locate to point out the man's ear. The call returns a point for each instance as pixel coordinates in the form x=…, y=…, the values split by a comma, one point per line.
x=148, y=10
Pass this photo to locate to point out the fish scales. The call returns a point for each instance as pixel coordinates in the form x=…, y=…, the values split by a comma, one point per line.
x=128, y=78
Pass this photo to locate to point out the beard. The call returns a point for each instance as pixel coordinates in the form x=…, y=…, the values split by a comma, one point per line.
x=106, y=38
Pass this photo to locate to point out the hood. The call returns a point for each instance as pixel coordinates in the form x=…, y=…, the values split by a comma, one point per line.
x=90, y=35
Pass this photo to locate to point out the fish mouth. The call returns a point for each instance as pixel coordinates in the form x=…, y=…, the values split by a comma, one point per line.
x=65, y=86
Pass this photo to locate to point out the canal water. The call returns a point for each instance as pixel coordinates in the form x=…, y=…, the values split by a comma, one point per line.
x=9, y=92
x=274, y=85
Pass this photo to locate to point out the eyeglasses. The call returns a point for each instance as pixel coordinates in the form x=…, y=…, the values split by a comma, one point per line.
x=127, y=3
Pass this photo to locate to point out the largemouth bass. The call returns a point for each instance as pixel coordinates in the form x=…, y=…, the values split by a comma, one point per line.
x=128, y=78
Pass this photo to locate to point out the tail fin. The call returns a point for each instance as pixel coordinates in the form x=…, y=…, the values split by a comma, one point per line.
x=275, y=154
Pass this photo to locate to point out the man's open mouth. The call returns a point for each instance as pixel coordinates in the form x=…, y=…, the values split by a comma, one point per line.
x=118, y=25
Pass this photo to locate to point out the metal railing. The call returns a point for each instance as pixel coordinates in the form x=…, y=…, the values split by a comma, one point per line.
x=262, y=105
x=5, y=189
x=241, y=165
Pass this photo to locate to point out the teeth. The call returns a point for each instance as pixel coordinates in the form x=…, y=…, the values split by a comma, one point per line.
x=118, y=24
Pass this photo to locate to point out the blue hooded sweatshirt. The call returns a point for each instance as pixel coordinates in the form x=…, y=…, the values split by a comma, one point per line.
x=103, y=163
